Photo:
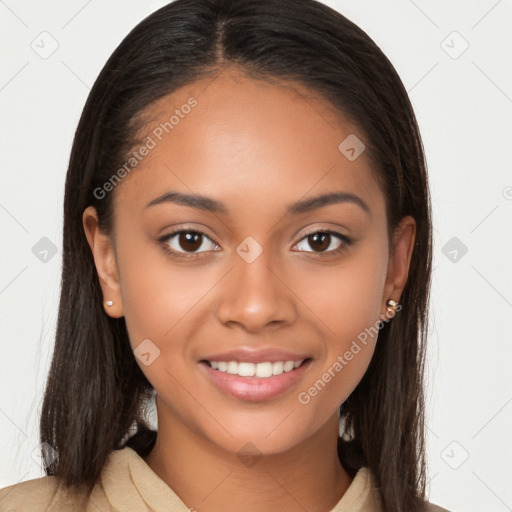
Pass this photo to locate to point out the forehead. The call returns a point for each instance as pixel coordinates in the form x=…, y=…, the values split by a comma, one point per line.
x=237, y=137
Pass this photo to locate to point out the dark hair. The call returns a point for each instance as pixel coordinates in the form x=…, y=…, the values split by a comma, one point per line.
x=96, y=393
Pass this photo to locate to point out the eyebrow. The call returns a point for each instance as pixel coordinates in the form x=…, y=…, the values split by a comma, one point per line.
x=299, y=207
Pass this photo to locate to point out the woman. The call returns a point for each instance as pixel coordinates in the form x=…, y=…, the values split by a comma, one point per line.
x=247, y=238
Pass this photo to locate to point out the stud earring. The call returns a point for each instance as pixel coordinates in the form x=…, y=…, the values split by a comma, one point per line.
x=343, y=432
x=391, y=307
x=109, y=303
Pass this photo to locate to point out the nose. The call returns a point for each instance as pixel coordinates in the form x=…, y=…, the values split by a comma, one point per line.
x=257, y=296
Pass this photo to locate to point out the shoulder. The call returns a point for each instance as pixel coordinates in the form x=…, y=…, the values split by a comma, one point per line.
x=50, y=494
x=36, y=494
x=45, y=494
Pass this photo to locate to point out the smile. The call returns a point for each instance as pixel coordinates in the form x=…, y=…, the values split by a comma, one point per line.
x=254, y=381
x=262, y=370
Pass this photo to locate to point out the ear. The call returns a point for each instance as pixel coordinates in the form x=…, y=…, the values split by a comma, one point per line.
x=399, y=261
x=105, y=260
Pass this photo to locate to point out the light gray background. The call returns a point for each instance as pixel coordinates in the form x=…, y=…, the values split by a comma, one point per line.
x=463, y=100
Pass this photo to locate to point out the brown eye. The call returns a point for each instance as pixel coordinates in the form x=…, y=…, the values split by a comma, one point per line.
x=328, y=242
x=319, y=241
x=187, y=242
x=190, y=241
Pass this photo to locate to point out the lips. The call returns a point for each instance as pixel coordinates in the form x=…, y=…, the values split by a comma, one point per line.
x=255, y=375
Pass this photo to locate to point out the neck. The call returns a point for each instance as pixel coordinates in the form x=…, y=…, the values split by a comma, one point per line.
x=208, y=478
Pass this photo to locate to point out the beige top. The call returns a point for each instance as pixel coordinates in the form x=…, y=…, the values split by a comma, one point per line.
x=128, y=484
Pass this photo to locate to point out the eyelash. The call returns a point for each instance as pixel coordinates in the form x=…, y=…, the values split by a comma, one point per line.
x=346, y=241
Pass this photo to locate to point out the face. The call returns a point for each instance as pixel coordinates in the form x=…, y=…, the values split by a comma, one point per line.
x=246, y=301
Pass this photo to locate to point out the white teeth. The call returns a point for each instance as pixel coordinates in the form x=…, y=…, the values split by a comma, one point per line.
x=232, y=367
x=260, y=370
x=264, y=370
x=288, y=366
x=246, y=369
x=277, y=367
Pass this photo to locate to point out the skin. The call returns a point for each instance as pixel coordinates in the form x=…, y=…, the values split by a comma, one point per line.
x=256, y=147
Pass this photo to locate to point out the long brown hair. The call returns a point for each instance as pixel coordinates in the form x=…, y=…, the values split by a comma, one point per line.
x=96, y=393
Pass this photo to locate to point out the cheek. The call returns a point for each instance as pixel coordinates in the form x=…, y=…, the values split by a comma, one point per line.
x=156, y=293
x=346, y=298
x=159, y=300
x=346, y=302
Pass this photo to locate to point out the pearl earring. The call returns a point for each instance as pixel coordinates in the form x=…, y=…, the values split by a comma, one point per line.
x=109, y=303
x=346, y=435
x=391, y=307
